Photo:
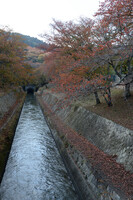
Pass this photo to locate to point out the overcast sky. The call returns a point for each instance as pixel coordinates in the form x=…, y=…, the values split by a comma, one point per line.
x=32, y=17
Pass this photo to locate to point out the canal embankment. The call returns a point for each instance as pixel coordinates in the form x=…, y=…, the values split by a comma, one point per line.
x=35, y=169
x=11, y=103
x=97, y=152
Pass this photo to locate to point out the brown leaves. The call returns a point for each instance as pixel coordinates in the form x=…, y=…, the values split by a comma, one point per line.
x=111, y=172
x=12, y=59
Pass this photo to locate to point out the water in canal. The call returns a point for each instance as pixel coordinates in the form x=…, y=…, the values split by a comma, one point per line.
x=34, y=169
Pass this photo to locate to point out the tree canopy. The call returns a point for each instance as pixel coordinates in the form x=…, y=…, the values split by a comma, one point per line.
x=13, y=68
x=83, y=56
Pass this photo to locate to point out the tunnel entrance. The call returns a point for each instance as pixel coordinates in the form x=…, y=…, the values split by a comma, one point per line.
x=30, y=90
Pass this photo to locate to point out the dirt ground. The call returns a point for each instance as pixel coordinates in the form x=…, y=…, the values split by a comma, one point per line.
x=121, y=112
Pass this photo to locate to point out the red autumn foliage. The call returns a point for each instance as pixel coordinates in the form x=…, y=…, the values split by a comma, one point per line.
x=83, y=55
x=113, y=33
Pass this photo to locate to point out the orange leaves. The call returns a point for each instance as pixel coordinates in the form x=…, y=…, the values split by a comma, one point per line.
x=99, y=81
x=84, y=54
x=12, y=59
x=117, y=13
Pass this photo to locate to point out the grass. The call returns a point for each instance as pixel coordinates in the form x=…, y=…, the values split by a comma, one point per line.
x=121, y=112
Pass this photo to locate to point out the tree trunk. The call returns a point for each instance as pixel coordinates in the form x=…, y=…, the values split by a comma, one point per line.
x=97, y=98
x=107, y=96
x=127, y=92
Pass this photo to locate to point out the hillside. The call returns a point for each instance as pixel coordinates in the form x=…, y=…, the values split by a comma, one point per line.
x=31, y=41
x=35, y=56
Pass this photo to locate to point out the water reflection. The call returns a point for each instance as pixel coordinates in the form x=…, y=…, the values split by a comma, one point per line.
x=35, y=170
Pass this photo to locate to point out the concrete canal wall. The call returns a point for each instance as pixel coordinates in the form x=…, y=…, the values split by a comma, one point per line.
x=99, y=158
x=8, y=104
x=10, y=107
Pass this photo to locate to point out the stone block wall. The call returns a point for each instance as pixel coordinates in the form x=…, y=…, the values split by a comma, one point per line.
x=108, y=136
x=87, y=181
x=6, y=102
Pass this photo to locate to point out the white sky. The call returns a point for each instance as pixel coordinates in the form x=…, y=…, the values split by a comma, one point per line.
x=32, y=17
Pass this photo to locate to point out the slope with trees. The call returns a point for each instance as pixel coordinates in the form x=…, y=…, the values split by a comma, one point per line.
x=13, y=67
x=82, y=56
x=30, y=41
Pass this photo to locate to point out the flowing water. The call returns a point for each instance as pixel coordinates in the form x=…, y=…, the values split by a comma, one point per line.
x=35, y=170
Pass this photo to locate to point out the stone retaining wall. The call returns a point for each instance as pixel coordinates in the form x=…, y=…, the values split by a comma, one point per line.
x=10, y=109
x=109, y=137
x=6, y=102
x=88, y=184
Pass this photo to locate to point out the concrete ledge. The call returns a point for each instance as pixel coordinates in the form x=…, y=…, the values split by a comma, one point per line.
x=103, y=178
x=92, y=179
x=108, y=136
x=83, y=190
x=7, y=129
x=6, y=101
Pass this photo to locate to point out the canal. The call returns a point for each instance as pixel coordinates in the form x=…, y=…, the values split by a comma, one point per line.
x=35, y=170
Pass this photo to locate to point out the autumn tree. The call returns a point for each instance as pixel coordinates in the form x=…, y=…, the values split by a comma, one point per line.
x=13, y=69
x=113, y=38
x=70, y=50
x=83, y=55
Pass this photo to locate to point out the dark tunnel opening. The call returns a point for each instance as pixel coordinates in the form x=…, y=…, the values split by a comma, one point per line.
x=30, y=90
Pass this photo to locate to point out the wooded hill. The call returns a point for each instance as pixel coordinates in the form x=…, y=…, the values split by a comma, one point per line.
x=17, y=60
x=31, y=41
